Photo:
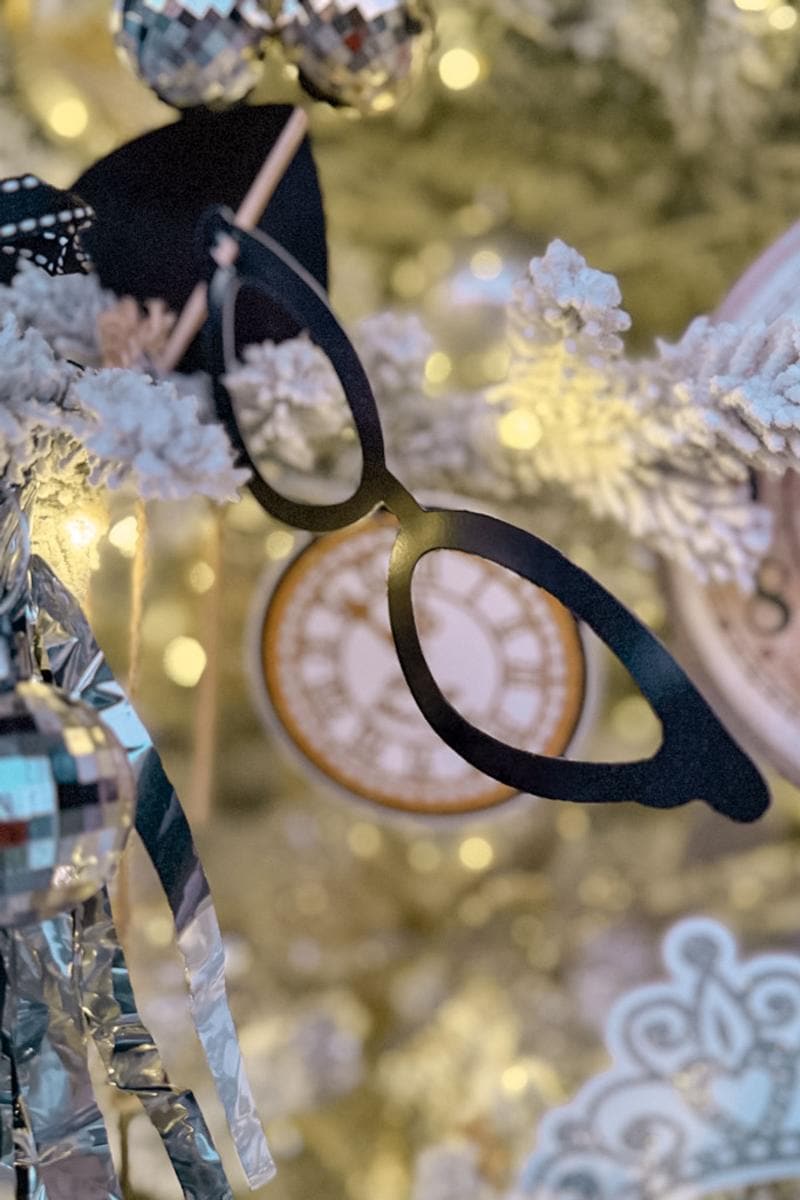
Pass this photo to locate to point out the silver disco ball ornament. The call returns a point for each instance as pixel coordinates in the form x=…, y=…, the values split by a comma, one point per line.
x=67, y=797
x=193, y=52
x=361, y=53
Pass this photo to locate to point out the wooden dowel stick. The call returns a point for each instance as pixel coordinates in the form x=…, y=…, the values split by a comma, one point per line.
x=122, y=894
x=138, y=582
x=204, y=739
x=249, y=213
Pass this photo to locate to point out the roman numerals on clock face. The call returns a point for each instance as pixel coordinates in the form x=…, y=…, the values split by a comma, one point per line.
x=505, y=654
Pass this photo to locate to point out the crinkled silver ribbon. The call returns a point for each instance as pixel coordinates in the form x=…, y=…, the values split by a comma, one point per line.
x=60, y=979
x=64, y=975
x=79, y=667
x=131, y=1057
x=59, y=1145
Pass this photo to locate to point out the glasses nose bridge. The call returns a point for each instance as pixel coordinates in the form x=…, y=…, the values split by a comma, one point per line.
x=400, y=502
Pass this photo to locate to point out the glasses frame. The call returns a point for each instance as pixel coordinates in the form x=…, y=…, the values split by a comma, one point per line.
x=697, y=758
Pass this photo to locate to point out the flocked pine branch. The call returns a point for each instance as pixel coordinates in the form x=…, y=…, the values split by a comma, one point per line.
x=146, y=432
x=394, y=348
x=64, y=309
x=715, y=65
x=292, y=407
x=33, y=386
x=124, y=426
x=85, y=322
x=663, y=445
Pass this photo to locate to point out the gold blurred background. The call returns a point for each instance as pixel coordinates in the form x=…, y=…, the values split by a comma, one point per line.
x=397, y=983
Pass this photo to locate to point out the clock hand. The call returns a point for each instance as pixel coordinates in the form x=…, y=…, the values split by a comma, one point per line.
x=428, y=623
x=357, y=610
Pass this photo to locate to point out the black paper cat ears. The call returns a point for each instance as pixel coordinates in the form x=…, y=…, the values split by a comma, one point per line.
x=150, y=194
x=697, y=758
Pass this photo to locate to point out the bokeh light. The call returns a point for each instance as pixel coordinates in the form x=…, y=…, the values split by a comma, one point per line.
x=520, y=429
x=279, y=544
x=201, y=577
x=476, y=853
x=124, y=536
x=82, y=530
x=68, y=117
x=784, y=17
x=459, y=69
x=184, y=661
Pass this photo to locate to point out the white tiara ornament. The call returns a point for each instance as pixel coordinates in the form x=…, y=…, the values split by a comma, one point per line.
x=704, y=1091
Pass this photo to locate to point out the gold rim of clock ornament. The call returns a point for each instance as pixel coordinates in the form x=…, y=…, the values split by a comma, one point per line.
x=278, y=600
x=744, y=648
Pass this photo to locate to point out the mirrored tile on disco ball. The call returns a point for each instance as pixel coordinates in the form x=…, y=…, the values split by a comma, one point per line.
x=203, y=52
x=357, y=52
x=64, y=817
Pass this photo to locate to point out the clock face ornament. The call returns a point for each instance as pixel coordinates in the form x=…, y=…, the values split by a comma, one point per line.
x=747, y=647
x=697, y=758
x=506, y=654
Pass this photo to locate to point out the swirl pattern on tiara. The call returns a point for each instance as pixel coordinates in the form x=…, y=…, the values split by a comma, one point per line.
x=704, y=1091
